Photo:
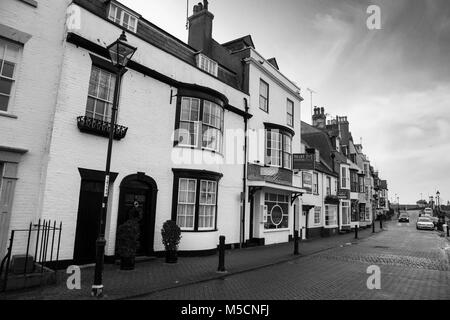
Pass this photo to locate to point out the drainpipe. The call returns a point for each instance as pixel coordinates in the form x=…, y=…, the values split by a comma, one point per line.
x=244, y=178
x=333, y=156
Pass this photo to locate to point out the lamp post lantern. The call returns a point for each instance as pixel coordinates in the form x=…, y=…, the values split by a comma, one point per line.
x=120, y=54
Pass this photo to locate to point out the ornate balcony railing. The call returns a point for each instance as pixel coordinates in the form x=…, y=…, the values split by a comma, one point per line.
x=100, y=128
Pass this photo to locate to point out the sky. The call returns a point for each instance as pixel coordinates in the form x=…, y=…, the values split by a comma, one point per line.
x=393, y=84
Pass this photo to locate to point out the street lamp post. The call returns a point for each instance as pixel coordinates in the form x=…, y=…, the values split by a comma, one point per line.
x=120, y=53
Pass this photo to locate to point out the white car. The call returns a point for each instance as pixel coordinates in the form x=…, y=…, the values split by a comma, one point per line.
x=424, y=223
x=428, y=212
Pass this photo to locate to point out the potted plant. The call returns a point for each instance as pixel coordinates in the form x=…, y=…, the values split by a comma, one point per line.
x=127, y=244
x=171, y=236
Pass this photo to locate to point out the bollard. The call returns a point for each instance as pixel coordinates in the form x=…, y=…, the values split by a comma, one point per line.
x=296, y=242
x=221, y=267
x=448, y=229
x=381, y=222
x=356, y=232
x=373, y=226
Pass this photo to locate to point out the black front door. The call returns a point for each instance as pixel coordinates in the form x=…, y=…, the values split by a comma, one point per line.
x=89, y=208
x=138, y=201
x=135, y=205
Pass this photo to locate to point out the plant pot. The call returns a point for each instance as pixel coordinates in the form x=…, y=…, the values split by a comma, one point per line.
x=127, y=263
x=171, y=256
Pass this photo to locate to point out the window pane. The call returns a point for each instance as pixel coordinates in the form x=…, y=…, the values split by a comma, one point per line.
x=93, y=82
x=12, y=53
x=195, y=110
x=103, y=86
x=90, y=105
x=4, y=103
x=8, y=69
x=5, y=86
x=185, y=109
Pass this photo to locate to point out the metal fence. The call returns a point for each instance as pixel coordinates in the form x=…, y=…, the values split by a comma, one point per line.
x=43, y=238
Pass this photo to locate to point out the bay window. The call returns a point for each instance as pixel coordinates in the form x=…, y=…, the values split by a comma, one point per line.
x=278, y=149
x=277, y=211
x=200, y=124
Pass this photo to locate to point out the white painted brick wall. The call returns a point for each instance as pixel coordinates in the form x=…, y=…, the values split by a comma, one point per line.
x=145, y=109
x=34, y=99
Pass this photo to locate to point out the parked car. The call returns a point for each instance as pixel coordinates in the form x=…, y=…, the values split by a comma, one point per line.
x=404, y=217
x=424, y=223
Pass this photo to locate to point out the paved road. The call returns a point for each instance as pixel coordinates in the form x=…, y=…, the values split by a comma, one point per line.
x=414, y=265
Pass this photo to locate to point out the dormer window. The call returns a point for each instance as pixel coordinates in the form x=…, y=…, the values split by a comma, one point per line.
x=123, y=17
x=207, y=64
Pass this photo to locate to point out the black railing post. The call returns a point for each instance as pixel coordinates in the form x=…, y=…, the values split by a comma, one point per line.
x=381, y=221
x=59, y=242
x=53, y=241
x=37, y=240
x=356, y=232
x=448, y=229
x=221, y=254
x=28, y=248
x=296, y=242
x=373, y=226
x=11, y=241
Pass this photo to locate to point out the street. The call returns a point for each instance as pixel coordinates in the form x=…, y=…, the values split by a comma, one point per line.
x=414, y=265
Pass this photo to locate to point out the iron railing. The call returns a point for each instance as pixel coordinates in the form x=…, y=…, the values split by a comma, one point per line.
x=42, y=232
x=100, y=128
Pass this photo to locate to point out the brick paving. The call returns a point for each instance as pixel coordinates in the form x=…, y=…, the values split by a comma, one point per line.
x=413, y=266
x=155, y=276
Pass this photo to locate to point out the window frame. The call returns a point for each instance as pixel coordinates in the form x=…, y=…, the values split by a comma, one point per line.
x=282, y=152
x=315, y=183
x=262, y=82
x=347, y=205
x=199, y=176
x=207, y=64
x=328, y=189
x=200, y=124
x=111, y=91
x=16, y=72
x=115, y=7
x=277, y=203
x=317, y=214
x=290, y=116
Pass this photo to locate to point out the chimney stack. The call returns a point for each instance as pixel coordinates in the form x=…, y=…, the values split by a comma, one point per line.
x=200, y=28
x=319, y=118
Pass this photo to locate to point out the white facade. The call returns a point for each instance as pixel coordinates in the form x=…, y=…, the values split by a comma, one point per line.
x=280, y=91
x=37, y=29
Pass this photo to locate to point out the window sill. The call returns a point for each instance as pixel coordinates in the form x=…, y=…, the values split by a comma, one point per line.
x=331, y=227
x=276, y=230
x=199, y=231
x=7, y=115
